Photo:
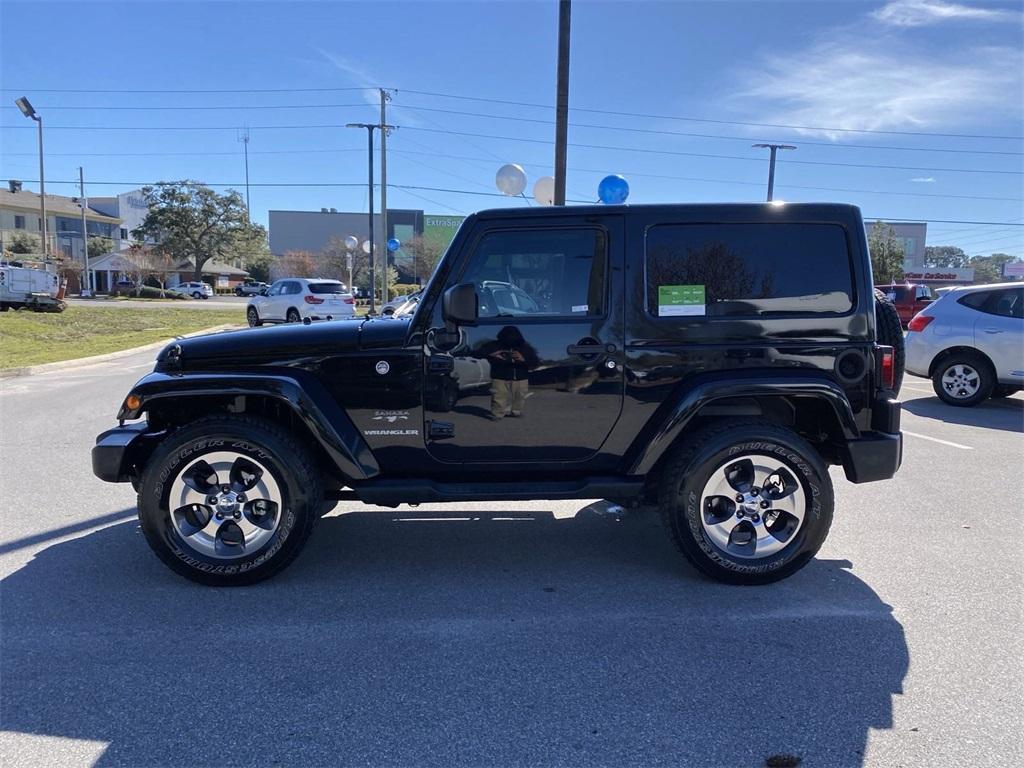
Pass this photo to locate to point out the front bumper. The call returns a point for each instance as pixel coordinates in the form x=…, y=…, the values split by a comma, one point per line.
x=121, y=451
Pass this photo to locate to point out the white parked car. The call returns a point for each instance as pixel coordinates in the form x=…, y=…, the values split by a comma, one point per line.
x=197, y=290
x=970, y=343
x=295, y=299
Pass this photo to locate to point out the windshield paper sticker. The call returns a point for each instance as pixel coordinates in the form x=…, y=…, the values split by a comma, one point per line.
x=679, y=300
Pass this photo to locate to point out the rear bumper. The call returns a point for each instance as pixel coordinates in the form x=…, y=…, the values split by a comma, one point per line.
x=876, y=455
x=118, y=451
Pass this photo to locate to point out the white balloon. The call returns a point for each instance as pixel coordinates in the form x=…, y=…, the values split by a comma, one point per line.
x=511, y=180
x=544, y=190
x=366, y=246
x=351, y=242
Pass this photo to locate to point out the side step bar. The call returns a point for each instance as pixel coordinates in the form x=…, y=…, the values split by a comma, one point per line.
x=401, y=491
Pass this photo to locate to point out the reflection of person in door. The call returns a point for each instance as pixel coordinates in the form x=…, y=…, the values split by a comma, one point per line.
x=511, y=359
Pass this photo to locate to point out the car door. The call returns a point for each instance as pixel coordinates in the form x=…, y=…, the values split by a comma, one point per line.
x=548, y=354
x=999, y=332
x=269, y=306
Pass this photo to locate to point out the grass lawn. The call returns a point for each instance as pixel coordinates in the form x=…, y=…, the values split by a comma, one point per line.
x=32, y=338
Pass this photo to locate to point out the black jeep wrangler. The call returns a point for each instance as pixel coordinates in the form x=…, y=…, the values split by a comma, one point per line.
x=709, y=360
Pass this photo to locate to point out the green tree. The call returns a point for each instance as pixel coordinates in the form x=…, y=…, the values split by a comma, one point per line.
x=989, y=269
x=24, y=242
x=190, y=221
x=945, y=257
x=886, y=253
x=249, y=250
x=99, y=245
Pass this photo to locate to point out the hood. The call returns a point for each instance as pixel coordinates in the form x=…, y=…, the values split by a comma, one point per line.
x=281, y=345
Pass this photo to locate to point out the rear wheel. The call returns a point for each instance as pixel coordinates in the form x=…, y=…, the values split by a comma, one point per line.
x=747, y=502
x=963, y=379
x=197, y=295
x=229, y=500
x=293, y=316
x=253, y=317
x=889, y=332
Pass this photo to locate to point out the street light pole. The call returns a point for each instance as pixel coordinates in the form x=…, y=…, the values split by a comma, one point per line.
x=562, y=100
x=373, y=274
x=29, y=111
x=771, y=164
x=384, y=98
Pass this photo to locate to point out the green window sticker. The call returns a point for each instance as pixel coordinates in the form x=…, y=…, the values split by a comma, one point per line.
x=680, y=300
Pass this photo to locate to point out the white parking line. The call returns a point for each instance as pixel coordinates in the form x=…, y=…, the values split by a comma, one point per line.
x=937, y=440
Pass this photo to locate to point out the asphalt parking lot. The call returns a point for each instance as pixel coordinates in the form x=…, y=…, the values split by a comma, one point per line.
x=516, y=633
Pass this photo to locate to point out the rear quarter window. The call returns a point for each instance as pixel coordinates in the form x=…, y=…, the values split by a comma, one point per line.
x=748, y=270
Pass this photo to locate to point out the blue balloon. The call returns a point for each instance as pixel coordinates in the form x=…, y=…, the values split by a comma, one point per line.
x=613, y=190
x=394, y=244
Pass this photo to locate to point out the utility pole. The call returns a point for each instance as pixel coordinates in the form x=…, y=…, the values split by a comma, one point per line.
x=244, y=138
x=86, y=287
x=562, y=100
x=771, y=164
x=385, y=97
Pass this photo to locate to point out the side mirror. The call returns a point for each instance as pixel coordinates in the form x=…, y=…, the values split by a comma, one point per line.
x=459, y=305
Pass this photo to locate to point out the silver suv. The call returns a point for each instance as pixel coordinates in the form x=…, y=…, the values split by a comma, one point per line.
x=970, y=343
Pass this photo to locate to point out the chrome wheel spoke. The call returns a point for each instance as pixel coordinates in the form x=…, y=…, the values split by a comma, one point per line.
x=244, y=474
x=192, y=518
x=262, y=513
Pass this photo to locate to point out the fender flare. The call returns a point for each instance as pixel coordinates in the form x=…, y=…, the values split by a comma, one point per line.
x=647, y=451
x=308, y=399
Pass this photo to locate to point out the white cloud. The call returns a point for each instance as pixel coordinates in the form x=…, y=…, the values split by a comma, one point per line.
x=853, y=83
x=923, y=180
x=919, y=13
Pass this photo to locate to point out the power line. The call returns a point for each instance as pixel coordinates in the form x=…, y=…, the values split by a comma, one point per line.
x=710, y=120
x=714, y=156
x=747, y=139
x=187, y=90
x=867, y=218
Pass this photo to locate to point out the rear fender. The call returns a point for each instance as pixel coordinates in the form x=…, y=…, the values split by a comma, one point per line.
x=307, y=398
x=653, y=444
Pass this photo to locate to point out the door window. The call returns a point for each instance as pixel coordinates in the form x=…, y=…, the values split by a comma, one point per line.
x=1005, y=303
x=539, y=273
x=275, y=289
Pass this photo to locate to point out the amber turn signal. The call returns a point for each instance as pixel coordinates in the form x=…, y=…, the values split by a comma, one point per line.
x=132, y=403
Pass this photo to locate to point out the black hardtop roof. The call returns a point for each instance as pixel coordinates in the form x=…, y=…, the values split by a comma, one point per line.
x=703, y=211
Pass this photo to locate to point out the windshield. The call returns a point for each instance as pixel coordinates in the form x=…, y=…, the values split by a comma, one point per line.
x=327, y=288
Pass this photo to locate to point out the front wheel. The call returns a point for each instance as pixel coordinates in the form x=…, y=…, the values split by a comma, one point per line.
x=229, y=500
x=747, y=502
x=253, y=317
x=196, y=295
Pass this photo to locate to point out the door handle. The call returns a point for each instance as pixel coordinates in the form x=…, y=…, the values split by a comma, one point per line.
x=584, y=350
x=993, y=330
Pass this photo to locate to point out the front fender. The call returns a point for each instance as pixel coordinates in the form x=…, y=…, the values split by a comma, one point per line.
x=651, y=446
x=308, y=399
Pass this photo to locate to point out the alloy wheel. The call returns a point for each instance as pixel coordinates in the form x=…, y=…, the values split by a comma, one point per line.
x=225, y=505
x=961, y=381
x=752, y=506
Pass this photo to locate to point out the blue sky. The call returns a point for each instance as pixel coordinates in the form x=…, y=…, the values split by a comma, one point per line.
x=839, y=69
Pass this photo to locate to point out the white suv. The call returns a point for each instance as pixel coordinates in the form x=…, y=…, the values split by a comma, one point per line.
x=197, y=290
x=970, y=343
x=297, y=298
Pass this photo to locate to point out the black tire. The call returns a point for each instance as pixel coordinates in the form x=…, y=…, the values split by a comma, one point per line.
x=197, y=295
x=293, y=316
x=889, y=332
x=688, y=470
x=291, y=467
x=975, y=368
x=253, y=317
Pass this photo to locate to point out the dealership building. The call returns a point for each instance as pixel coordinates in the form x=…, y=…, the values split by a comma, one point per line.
x=313, y=231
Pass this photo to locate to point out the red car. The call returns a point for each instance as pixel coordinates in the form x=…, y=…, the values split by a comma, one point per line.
x=909, y=298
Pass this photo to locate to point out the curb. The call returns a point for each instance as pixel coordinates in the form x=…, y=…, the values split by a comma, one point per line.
x=60, y=365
